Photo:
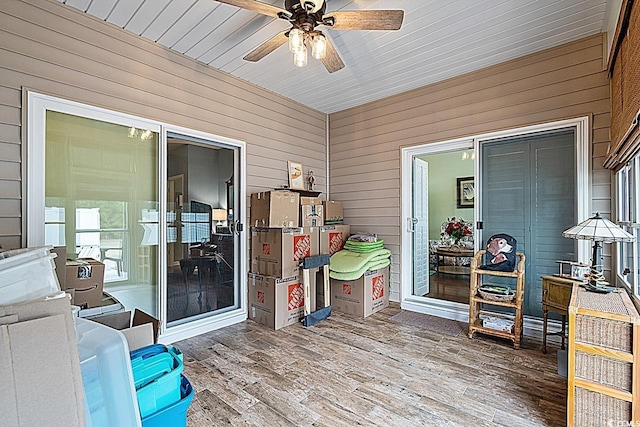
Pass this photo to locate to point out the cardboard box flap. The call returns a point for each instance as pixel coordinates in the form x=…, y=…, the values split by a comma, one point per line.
x=133, y=327
x=38, y=359
x=140, y=318
x=138, y=336
x=117, y=321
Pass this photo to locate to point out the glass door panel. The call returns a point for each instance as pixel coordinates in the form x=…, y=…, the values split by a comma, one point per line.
x=201, y=273
x=101, y=201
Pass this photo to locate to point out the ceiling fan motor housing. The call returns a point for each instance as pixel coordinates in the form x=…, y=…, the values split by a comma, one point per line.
x=308, y=6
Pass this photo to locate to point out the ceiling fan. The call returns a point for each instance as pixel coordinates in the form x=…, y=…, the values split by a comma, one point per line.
x=304, y=16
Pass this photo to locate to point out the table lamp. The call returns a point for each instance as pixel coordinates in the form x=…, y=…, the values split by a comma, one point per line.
x=219, y=215
x=598, y=229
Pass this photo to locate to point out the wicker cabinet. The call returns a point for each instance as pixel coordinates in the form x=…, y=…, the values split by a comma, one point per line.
x=476, y=301
x=604, y=344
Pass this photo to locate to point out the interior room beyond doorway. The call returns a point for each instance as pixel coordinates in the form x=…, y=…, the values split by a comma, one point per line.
x=450, y=214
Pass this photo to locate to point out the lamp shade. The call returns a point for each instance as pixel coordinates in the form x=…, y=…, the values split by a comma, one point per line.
x=219, y=214
x=598, y=229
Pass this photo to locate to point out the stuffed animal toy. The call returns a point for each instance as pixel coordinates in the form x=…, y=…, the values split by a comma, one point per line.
x=501, y=253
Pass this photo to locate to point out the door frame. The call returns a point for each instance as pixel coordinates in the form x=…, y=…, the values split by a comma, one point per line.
x=408, y=301
x=228, y=317
x=458, y=311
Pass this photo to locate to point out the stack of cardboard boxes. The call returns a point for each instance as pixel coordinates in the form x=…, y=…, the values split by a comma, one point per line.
x=285, y=228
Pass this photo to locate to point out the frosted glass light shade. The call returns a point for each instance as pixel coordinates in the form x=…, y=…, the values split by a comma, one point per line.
x=296, y=40
x=300, y=57
x=318, y=46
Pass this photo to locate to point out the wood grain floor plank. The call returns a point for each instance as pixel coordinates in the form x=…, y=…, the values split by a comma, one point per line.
x=352, y=371
x=283, y=402
x=261, y=415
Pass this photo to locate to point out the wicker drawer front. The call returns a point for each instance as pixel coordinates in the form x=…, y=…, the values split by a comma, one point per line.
x=603, y=370
x=604, y=332
x=598, y=410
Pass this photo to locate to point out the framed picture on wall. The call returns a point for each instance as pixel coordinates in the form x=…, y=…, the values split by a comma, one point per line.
x=296, y=179
x=465, y=192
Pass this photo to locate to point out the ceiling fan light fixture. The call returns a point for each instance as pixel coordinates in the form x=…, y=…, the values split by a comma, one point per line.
x=296, y=40
x=318, y=46
x=300, y=57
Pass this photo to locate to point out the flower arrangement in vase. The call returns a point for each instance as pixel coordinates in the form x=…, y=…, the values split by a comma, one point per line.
x=456, y=230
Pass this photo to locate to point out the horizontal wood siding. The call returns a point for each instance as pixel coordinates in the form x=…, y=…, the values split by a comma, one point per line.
x=559, y=83
x=54, y=49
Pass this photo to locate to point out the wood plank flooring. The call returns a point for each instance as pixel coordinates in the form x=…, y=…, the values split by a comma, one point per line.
x=350, y=371
x=449, y=287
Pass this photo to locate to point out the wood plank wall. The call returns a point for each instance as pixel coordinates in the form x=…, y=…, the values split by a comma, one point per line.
x=54, y=49
x=559, y=83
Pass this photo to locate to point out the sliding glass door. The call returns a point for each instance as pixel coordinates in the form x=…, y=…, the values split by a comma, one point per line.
x=101, y=183
x=101, y=201
x=201, y=250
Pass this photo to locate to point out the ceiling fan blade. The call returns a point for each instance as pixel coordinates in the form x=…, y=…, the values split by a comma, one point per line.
x=259, y=7
x=267, y=47
x=332, y=61
x=364, y=20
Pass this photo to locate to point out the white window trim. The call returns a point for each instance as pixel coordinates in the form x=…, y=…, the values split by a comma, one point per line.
x=632, y=225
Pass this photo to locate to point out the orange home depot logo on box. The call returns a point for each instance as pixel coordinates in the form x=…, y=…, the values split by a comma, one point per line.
x=301, y=246
x=266, y=249
x=377, y=287
x=335, y=242
x=346, y=289
x=295, y=296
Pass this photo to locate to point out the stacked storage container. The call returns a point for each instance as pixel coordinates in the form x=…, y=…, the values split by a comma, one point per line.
x=110, y=398
x=27, y=275
x=163, y=393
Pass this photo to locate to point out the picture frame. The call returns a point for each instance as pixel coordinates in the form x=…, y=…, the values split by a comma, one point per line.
x=296, y=175
x=465, y=192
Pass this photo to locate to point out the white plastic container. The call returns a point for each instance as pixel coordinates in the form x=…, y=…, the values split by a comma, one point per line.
x=26, y=275
x=110, y=394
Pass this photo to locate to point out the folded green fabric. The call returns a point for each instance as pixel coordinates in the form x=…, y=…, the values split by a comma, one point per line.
x=345, y=261
x=364, y=244
x=353, y=275
x=363, y=247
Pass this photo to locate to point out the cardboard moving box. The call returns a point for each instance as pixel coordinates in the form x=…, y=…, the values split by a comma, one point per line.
x=140, y=330
x=333, y=212
x=276, y=302
x=40, y=366
x=333, y=237
x=363, y=296
x=311, y=212
x=86, y=277
x=60, y=262
x=275, y=209
x=278, y=252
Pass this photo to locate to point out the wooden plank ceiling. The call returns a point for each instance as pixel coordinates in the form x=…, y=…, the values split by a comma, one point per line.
x=439, y=39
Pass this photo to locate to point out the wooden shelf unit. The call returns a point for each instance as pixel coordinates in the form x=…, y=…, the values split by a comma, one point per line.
x=604, y=356
x=475, y=300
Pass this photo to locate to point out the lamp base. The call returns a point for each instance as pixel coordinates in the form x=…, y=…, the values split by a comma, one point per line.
x=596, y=277
x=597, y=282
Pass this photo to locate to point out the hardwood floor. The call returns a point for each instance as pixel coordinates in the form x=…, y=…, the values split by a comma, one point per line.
x=350, y=371
x=449, y=287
